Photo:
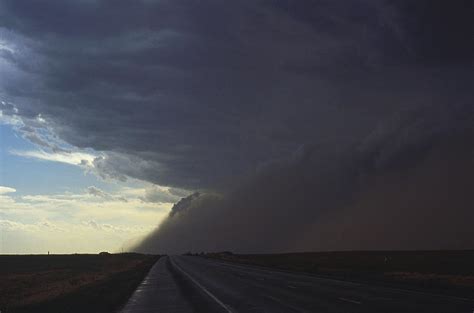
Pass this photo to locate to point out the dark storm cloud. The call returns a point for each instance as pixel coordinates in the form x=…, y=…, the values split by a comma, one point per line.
x=407, y=186
x=210, y=94
x=199, y=92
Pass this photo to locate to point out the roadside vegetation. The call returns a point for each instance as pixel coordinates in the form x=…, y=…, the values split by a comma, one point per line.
x=70, y=283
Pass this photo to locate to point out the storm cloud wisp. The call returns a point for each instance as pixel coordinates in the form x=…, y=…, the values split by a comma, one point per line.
x=303, y=125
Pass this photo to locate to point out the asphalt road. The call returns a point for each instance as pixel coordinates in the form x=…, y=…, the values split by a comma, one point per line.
x=241, y=288
x=184, y=284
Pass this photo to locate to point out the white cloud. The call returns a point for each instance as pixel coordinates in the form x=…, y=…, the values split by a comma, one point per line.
x=76, y=222
x=6, y=47
x=4, y=190
x=92, y=190
x=40, y=132
x=73, y=158
x=99, y=193
x=8, y=119
x=87, y=236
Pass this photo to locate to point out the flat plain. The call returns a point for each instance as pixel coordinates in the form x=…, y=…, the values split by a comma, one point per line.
x=70, y=283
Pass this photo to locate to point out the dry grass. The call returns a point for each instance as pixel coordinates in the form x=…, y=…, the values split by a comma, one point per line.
x=51, y=283
x=432, y=278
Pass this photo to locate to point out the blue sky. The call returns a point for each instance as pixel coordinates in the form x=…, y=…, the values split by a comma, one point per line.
x=50, y=203
x=31, y=176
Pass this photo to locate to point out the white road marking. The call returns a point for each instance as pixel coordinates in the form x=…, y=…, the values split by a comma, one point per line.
x=225, y=307
x=292, y=287
x=350, y=300
x=269, y=270
x=254, y=268
x=285, y=304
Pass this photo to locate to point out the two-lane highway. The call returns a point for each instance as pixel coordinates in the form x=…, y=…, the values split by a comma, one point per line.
x=241, y=288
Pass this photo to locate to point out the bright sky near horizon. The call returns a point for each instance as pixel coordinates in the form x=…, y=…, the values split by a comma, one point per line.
x=50, y=202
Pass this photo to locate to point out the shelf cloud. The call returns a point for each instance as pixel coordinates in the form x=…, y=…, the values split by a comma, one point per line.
x=290, y=119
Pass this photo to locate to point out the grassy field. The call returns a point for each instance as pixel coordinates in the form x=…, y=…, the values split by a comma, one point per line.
x=449, y=272
x=70, y=283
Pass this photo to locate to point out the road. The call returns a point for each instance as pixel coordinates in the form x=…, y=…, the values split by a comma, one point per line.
x=241, y=288
x=158, y=292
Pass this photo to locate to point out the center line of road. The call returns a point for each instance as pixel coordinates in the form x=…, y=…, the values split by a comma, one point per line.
x=225, y=307
x=350, y=300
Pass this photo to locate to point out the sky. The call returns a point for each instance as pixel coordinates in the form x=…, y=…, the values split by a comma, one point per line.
x=254, y=126
x=50, y=202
